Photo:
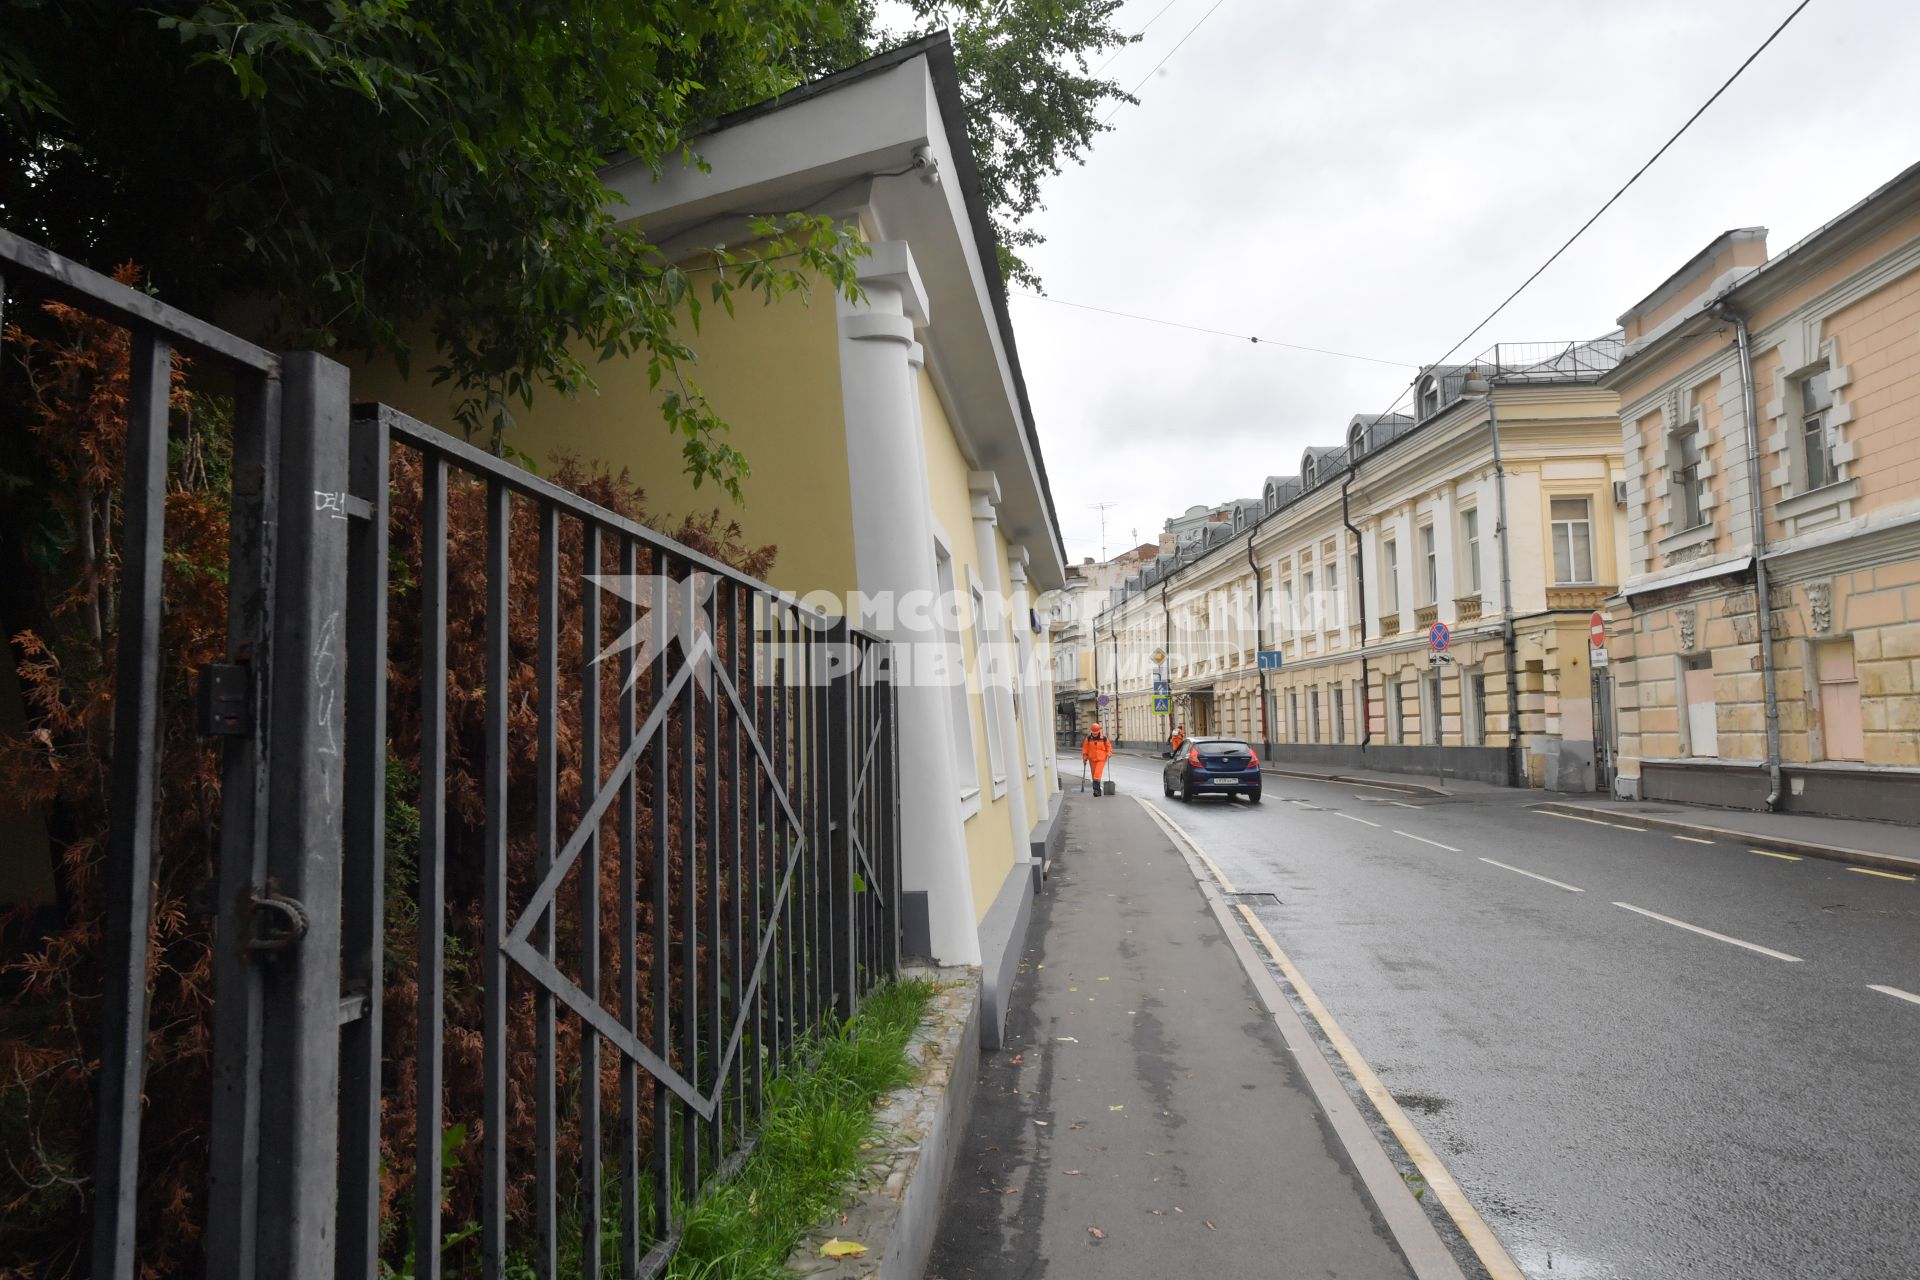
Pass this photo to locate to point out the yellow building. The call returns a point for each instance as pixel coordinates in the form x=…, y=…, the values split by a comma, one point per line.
x=893, y=455
x=1790, y=387
x=1490, y=510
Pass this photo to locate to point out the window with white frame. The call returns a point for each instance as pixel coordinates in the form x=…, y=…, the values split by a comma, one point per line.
x=1816, y=431
x=1390, y=588
x=1688, y=481
x=1339, y=713
x=1310, y=602
x=1429, y=565
x=1572, y=540
x=1473, y=710
x=1429, y=397
x=1470, y=549
x=1430, y=721
x=1313, y=713
x=1353, y=576
x=953, y=673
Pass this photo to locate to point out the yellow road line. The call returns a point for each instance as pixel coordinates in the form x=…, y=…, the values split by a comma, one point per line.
x=1485, y=1244
x=1885, y=875
x=1574, y=817
x=1694, y=839
x=1784, y=857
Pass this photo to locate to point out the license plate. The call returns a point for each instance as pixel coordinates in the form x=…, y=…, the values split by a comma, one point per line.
x=1228, y=782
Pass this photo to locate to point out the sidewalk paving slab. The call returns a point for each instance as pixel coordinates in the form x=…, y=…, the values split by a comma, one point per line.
x=1876, y=844
x=1146, y=1116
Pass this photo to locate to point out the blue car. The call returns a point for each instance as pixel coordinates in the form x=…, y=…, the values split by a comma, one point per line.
x=1217, y=766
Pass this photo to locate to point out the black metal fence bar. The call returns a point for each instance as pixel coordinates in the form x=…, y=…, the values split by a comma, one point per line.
x=591, y=1208
x=431, y=891
x=493, y=1121
x=128, y=872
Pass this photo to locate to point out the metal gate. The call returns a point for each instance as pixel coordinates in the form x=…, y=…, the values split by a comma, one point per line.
x=657, y=841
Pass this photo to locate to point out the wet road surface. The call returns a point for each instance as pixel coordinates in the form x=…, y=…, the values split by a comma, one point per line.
x=1641, y=1056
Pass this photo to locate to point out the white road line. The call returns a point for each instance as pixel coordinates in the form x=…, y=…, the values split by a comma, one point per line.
x=1708, y=933
x=1574, y=817
x=1350, y=818
x=1693, y=839
x=1895, y=992
x=1404, y=805
x=1423, y=840
x=1558, y=884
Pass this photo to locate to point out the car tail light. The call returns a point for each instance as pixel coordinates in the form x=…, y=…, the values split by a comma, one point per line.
x=1253, y=758
x=1193, y=756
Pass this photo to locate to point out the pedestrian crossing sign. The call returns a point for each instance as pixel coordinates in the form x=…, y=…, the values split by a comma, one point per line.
x=1160, y=701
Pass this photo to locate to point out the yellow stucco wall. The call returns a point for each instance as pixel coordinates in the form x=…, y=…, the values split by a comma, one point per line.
x=990, y=848
x=771, y=372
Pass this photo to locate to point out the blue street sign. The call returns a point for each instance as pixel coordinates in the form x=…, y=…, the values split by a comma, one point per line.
x=1161, y=686
x=1160, y=701
x=1269, y=660
x=1102, y=700
x=1440, y=636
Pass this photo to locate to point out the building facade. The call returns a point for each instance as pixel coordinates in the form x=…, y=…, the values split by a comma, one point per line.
x=1348, y=565
x=1070, y=616
x=894, y=458
x=1770, y=409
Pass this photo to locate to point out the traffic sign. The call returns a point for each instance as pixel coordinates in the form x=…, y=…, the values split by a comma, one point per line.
x=1440, y=636
x=1159, y=656
x=1270, y=659
x=1160, y=701
x=1161, y=686
x=1599, y=630
x=1102, y=700
x=1600, y=656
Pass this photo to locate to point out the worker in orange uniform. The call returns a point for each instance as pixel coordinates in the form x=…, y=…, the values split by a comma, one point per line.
x=1173, y=743
x=1095, y=751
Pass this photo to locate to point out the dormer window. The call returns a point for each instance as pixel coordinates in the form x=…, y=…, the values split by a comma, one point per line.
x=1273, y=498
x=1429, y=396
x=1357, y=439
x=1306, y=471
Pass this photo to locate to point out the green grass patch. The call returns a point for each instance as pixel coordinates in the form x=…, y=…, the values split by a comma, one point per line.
x=817, y=1117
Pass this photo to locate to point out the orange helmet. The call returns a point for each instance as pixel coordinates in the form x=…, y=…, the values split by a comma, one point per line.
x=1095, y=729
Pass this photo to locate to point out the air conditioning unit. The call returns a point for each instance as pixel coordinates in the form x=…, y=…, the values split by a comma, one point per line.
x=1619, y=493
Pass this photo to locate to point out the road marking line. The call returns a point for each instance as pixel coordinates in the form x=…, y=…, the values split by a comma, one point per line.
x=1895, y=992
x=1226, y=885
x=1350, y=818
x=1404, y=805
x=1574, y=817
x=1694, y=839
x=1708, y=933
x=1447, y=1191
x=1558, y=884
x=1423, y=840
x=1784, y=857
x=1886, y=875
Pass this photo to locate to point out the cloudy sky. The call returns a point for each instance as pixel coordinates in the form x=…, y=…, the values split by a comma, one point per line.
x=1373, y=176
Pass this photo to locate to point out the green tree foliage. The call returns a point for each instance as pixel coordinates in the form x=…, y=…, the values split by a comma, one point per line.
x=370, y=165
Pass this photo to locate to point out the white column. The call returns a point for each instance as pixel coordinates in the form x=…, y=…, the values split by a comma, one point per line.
x=992, y=630
x=893, y=552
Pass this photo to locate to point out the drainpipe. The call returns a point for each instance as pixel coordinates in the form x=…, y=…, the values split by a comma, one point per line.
x=1514, y=773
x=1360, y=588
x=1757, y=518
x=1260, y=640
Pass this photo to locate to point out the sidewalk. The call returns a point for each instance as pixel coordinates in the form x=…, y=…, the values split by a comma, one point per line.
x=1146, y=1117
x=1874, y=844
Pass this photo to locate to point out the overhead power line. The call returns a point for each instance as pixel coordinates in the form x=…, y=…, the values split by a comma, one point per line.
x=1135, y=91
x=1141, y=32
x=1700, y=111
x=1222, y=333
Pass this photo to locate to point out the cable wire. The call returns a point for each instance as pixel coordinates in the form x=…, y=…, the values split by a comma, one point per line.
x=1199, y=328
x=1141, y=32
x=1135, y=91
x=1702, y=110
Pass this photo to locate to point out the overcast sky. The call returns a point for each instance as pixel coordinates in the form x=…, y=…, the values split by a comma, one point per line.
x=1373, y=176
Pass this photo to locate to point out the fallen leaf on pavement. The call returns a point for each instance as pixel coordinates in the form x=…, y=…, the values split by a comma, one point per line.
x=1211, y=1227
x=1016, y=1059
x=1011, y=1191
x=1073, y=988
x=842, y=1249
x=1157, y=1213
x=1043, y=1123
x=1096, y=1233
x=1073, y=1173
x=1121, y=1107
x=1106, y=979
x=1066, y=1040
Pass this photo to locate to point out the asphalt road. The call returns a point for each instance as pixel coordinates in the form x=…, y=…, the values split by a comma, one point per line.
x=1619, y=1096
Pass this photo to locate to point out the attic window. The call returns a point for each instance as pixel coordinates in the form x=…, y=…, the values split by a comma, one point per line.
x=1273, y=498
x=1357, y=439
x=1306, y=471
x=1429, y=396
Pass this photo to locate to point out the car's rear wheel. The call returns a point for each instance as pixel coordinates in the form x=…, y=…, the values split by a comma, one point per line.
x=1186, y=791
x=1166, y=786
x=1254, y=796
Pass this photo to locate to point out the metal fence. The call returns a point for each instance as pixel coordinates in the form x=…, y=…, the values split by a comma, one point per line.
x=657, y=842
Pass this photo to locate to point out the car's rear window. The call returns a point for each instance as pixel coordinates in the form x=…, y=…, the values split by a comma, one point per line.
x=1223, y=748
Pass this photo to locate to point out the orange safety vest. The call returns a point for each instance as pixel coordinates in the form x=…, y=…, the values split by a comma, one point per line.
x=1095, y=752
